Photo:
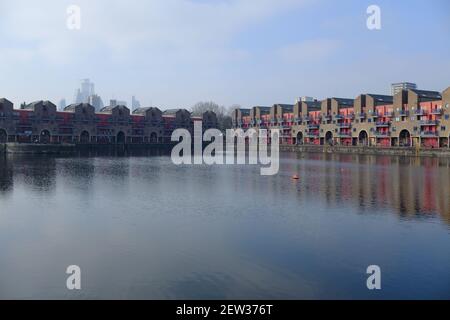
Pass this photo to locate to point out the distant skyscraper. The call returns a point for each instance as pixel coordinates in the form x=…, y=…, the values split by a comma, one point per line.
x=396, y=87
x=134, y=103
x=62, y=104
x=304, y=99
x=121, y=103
x=96, y=102
x=112, y=102
x=87, y=89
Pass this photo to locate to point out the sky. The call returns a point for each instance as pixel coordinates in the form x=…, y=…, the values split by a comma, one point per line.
x=174, y=53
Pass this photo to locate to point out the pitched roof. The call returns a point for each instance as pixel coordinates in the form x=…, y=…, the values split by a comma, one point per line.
x=263, y=109
x=313, y=104
x=73, y=106
x=32, y=105
x=382, y=99
x=285, y=107
x=245, y=112
x=427, y=94
x=108, y=109
x=344, y=101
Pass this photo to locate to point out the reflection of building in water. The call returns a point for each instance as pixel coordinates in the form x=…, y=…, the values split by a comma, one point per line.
x=13, y=171
x=413, y=187
x=6, y=175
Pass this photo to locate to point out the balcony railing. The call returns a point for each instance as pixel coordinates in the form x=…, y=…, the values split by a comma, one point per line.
x=429, y=123
x=313, y=126
x=388, y=114
x=436, y=111
x=420, y=112
x=312, y=135
x=362, y=115
x=382, y=124
x=339, y=116
x=402, y=113
x=382, y=134
x=429, y=134
x=344, y=135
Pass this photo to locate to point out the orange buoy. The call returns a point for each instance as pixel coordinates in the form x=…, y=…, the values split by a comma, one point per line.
x=295, y=177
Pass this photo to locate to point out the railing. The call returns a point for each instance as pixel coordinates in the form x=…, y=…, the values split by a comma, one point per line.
x=382, y=124
x=344, y=125
x=402, y=113
x=436, y=111
x=312, y=135
x=339, y=116
x=428, y=122
x=388, y=114
x=428, y=134
x=420, y=112
x=313, y=125
x=382, y=134
x=344, y=135
x=362, y=115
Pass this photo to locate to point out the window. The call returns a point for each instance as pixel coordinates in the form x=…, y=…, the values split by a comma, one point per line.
x=443, y=128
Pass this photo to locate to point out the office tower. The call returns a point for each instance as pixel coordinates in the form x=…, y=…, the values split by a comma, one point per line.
x=96, y=101
x=135, y=103
x=396, y=87
x=62, y=104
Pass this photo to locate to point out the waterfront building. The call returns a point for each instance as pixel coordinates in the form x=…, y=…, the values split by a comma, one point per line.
x=410, y=118
x=284, y=120
x=240, y=118
x=79, y=123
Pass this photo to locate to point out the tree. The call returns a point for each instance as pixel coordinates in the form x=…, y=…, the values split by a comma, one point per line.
x=223, y=114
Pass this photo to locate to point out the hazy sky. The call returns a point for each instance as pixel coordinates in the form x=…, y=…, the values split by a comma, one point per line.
x=173, y=53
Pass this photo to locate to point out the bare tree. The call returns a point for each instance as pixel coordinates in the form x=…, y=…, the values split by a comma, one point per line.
x=223, y=114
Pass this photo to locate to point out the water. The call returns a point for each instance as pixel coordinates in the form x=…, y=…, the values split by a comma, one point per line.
x=140, y=227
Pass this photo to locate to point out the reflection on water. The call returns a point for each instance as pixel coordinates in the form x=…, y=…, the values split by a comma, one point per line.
x=141, y=227
x=414, y=187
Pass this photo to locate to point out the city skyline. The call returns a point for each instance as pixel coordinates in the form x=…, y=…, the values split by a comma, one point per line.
x=174, y=53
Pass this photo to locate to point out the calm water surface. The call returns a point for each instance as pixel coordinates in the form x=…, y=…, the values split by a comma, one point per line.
x=141, y=227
